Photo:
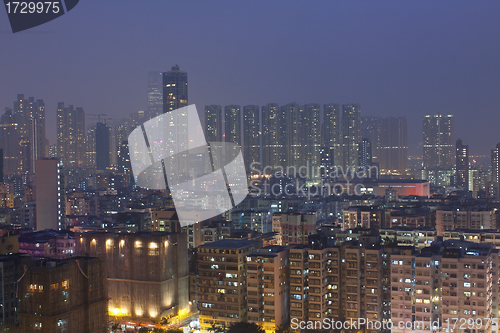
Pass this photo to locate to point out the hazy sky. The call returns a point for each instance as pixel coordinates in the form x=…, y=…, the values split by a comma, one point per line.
x=393, y=57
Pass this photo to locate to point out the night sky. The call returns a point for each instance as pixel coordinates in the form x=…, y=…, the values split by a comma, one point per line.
x=393, y=57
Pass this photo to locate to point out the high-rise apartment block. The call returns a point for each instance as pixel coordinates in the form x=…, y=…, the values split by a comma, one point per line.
x=71, y=136
x=365, y=154
x=389, y=140
x=102, y=146
x=331, y=132
x=294, y=228
x=444, y=286
x=351, y=135
x=175, y=89
x=462, y=165
x=273, y=136
x=438, y=141
x=493, y=186
x=295, y=154
x=268, y=288
x=9, y=134
x=222, y=282
x=155, y=94
x=175, y=96
x=251, y=136
x=213, y=123
x=232, y=121
x=22, y=135
x=312, y=137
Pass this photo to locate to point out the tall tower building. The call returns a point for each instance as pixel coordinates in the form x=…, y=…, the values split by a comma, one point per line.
x=312, y=129
x=462, y=165
x=392, y=145
x=331, y=132
x=213, y=123
x=102, y=148
x=49, y=195
x=90, y=146
x=175, y=96
x=38, y=132
x=175, y=89
x=155, y=94
x=351, y=135
x=493, y=186
x=29, y=115
x=438, y=141
x=232, y=121
x=365, y=154
x=293, y=135
x=21, y=117
x=9, y=142
x=251, y=135
x=71, y=136
x=273, y=136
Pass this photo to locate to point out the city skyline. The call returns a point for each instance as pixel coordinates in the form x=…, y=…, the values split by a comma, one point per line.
x=408, y=71
x=258, y=167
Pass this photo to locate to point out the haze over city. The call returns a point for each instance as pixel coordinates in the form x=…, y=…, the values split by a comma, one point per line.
x=249, y=167
x=393, y=58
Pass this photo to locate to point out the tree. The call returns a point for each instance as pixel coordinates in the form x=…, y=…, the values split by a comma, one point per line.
x=159, y=330
x=174, y=330
x=164, y=321
x=243, y=327
x=115, y=326
x=217, y=329
x=283, y=329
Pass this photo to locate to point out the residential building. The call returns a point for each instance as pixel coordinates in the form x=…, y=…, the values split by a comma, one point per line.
x=462, y=165
x=351, y=135
x=71, y=136
x=268, y=289
x=438, y=141
x=222, y=282
x=67, y=295
x=251, y=136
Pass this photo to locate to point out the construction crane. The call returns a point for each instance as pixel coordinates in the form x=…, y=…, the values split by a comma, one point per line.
x=98, y=115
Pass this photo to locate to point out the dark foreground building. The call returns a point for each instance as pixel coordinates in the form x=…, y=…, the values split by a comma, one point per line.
x=67, y=295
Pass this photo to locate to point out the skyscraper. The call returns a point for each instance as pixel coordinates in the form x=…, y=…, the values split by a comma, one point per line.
x=493, y=186
x=71, y=136
x=462, y=165
x=90, y=145
x=213, y=123
x=232, y=121
x=365, y=154
x=175, y=89
x=29, y=115
x=392, y=148
x=273, y=148
x=438, y=141
x=155, y=94
x=251, y=135
x=102, y=146
x=351, y=135
x=9, y=142
x=175, y=96
x=331, y=132
x=312, y=139
x=293, y=135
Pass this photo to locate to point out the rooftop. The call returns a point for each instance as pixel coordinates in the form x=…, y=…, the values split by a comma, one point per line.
x=229, y=244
